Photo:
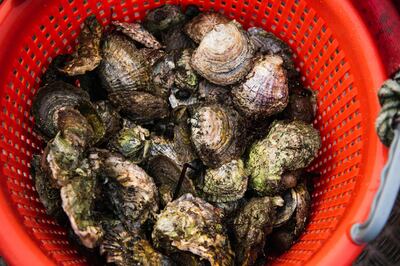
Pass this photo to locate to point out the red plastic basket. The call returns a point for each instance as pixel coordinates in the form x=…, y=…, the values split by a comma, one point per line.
x=332, y=49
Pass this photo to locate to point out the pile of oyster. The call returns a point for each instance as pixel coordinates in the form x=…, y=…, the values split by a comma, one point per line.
x=182, y=140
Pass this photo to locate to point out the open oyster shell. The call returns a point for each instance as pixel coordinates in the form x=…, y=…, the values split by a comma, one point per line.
x=87, y=56
x=288, y=146
x=202, y=24
x=224, y=56
x=78, y=197
x=265, y=90
x=217, y=134
x=226, y=183
x=191, y=224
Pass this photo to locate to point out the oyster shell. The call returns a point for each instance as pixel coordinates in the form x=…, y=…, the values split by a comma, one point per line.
x=288, y=146
x=211, y=93
x=266, y=43
x=163, y=73
x=132, y=141
x=126, y=248
x=285, y=213
x=138, y=33
x=48, y=194
x=124, y=67
x=110, y=117
x=217, y=134
x=265, y=91
x=185, y=77
x=57, y=96
x=303, y=208
x=78, y=197
x=53, y=72
x=251, y=226
x=87, y=56
x=202, y=24
x=224, y=56
x=163, y=18
x=166, y=174
x=302, y=106
x=176, y=100
x=226, y=183
x=131, y=191
x=191, y=224
x=281, y=240
x=176, y=40
x=140, y=106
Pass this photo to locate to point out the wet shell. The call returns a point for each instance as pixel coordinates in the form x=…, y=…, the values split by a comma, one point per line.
x=285, y=213
x=185, y=77
x=78, y=198
x=211, y=93
x=302, y=106
x=53, y=72
x=303, y=208
x=140, y=106
x=226, y=183
x=217, y=134
x=131, y=190
x=163, y=18
x=176, y=100
x=163, y=73
x=251, y=227
x=87, y=56
x=266, y=43
x=136, y=32
x=193, y=225
x=176, y=40
x=132, y=142
x=110, y=117
x=265, y=91
x=224, y=56
x=58, y=95
x=124, y=68
x=202, y=24
x=288, y=146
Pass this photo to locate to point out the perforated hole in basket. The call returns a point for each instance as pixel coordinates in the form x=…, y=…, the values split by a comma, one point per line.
x=317, y=55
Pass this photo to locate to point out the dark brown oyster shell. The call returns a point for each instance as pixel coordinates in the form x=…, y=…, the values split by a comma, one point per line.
x=110, y=117
x=202, y=24
x=124, y=67
x=87, y=56
x=140, y=106
x=163, y=18
x=176, y=40
x=302, y=105
x=211, y=93
x=138, y=33
x=265, y=90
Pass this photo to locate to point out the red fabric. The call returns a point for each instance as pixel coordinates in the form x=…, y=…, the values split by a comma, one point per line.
x=383, y=20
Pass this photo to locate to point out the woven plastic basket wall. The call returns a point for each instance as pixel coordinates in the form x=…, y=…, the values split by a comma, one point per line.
x=332, y=50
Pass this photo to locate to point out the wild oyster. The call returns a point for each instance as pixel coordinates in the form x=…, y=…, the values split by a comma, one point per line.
x=176, y=40
x=288, y=146
x=163, y=18
x=136, y=32
x=78, y=197
x=217, y=134
x=251, y=226
x=202, y=24
x=131, y=190
x=87, y=56
x=126, y=248
x=226, y=183
x=265, y=91
x=211, y=93
x=132, y=141
x=224, y=56
x=110, y=117
x=123, y=68
x=191, y=224
x=48, y=194
x=185, y=77
x=60, y=96
x=302, y=105
x=266, y=43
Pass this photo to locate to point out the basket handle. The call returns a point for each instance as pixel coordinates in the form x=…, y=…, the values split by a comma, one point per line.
x=384, y=199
